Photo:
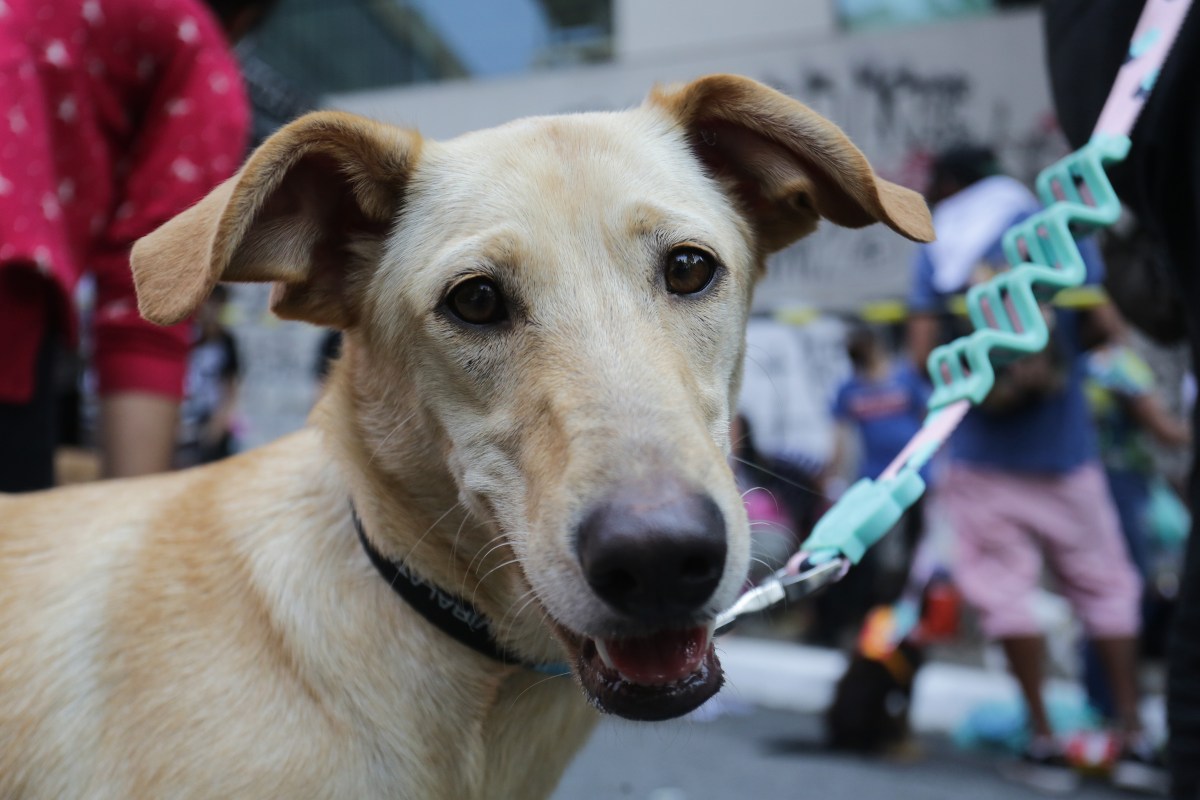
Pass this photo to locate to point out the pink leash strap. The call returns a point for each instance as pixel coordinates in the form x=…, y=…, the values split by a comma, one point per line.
x=1156, y=31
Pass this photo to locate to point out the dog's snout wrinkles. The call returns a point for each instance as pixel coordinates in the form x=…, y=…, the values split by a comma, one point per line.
x=655, y=553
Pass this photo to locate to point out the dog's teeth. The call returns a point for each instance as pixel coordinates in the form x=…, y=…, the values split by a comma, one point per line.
x=602, y=649
x=709, y=630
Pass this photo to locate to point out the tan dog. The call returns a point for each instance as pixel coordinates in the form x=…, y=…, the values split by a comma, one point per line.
x=544, y=333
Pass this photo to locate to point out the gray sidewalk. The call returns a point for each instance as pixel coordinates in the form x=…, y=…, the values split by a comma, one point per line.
x=791, y=677
x=775, y=754
x=763, y=739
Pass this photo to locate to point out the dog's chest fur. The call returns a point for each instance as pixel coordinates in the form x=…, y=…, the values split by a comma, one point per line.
x=216, y=682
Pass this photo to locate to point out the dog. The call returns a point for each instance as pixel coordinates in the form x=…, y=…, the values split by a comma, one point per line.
x=871, y=702
x=518, y=462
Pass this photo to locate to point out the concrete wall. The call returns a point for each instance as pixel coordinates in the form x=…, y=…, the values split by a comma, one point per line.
x=657, y=31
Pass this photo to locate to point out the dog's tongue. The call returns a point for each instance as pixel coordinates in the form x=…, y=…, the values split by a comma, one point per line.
x=665, y=657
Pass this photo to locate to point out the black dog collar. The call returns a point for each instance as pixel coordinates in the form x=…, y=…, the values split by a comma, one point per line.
x=451, y=614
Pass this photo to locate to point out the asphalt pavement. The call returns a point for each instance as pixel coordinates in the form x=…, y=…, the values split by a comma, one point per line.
x=762, y=738
x=760, y=753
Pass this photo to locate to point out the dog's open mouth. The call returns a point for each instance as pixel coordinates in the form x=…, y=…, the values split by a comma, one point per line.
x=654, y=677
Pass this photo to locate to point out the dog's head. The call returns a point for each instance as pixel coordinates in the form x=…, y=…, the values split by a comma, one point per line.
x=551, y=314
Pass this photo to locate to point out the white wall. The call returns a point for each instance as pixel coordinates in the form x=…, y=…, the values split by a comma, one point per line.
x=788, y=385
x=660, y=30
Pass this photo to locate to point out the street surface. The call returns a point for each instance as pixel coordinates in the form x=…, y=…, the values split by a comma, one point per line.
x=776, y=754
x=762, y=738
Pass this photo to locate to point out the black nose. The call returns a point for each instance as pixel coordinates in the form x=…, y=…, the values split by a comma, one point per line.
x=653, y=552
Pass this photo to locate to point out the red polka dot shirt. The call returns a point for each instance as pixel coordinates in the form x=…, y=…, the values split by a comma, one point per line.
x=115, y=115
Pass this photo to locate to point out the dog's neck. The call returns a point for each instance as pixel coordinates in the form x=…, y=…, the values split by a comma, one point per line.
x=411, y=507
x=409, y=503
x=454, y=616
x=387, y=448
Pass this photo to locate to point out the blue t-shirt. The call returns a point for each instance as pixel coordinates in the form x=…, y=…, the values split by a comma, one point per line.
x=886, y=412
x=1054, y=434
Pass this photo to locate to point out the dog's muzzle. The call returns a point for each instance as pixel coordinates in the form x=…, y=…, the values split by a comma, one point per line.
x=655, y=555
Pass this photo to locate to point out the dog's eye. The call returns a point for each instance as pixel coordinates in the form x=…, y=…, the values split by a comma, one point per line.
x=477, y=301
x=689, y=270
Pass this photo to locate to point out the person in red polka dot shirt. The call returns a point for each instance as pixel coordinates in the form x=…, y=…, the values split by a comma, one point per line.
x=115, y=115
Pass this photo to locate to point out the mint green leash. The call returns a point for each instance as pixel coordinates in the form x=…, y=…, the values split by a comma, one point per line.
x=1045, y=259
x=1008, y=322
x=1007, y=316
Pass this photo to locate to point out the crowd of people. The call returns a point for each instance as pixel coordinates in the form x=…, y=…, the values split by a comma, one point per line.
x=1053, y=473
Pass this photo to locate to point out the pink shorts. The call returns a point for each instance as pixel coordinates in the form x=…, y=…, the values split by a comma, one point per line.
x=1005, y=523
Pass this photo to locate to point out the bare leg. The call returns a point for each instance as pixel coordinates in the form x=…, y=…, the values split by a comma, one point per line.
x=137, y=433
x=1119, y=656
x=1025, y=662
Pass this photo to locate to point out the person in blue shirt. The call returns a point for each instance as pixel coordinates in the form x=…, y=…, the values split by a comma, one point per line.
x=1024, y=487
x=882, y=404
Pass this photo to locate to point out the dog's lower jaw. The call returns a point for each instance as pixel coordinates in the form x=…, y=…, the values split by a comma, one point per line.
x=683, y=673
x=611, y=693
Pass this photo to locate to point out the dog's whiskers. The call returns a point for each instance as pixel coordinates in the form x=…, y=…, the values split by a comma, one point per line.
x=533, y=685
x=546, y=620
x=768, y=492
x=499, y=541
x=379, y=447
x=484, y=552
x=757, y=560
x=511, y=616
x=779, y=477
x=434, y=524
x=421, y=538
x=766, y=526
x=482, y=559
x=454, y=544
x=487, y=574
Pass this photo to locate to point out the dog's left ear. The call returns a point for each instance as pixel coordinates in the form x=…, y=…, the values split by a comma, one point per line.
x=785, y=164
x=308, y=212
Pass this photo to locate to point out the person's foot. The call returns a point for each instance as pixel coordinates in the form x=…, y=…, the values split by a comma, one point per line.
x=1043, y=766
x=1140, y=768
x=1093, y=753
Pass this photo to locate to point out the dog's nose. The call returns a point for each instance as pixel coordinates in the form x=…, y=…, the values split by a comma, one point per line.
x=655, y=553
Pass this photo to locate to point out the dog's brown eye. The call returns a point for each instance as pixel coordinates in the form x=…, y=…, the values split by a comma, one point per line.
x=689, y=270
x=477, y=301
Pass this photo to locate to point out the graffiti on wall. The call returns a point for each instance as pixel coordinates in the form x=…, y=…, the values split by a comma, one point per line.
x=900, y=115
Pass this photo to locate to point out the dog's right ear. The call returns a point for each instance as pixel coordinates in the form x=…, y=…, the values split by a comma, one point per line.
x=300, y=213
x=785, y=164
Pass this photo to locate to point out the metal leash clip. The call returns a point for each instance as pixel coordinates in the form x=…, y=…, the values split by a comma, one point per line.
x=784, y=585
